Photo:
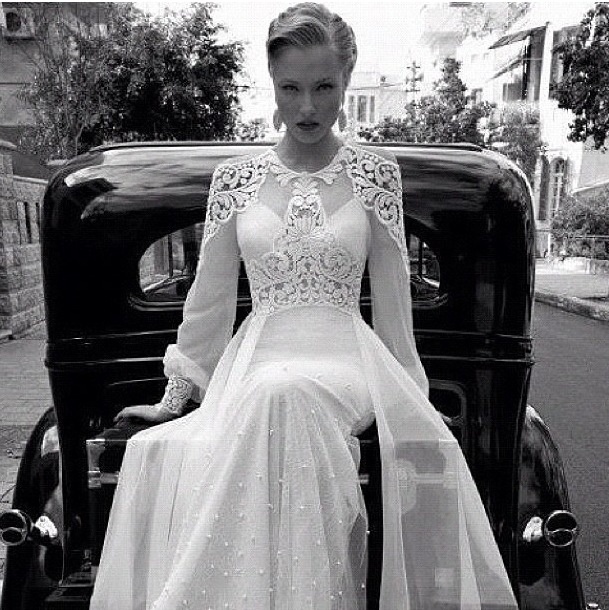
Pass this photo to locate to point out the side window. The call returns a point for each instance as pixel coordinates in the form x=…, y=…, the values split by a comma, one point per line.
x=424, y=271
x=167, y=268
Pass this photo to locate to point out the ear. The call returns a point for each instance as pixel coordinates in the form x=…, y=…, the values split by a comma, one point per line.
x=346, y=81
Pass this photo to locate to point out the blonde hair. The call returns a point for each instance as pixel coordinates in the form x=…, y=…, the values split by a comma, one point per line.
x=309, y=24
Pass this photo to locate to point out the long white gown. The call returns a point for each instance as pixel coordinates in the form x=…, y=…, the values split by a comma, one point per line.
x=252, y=501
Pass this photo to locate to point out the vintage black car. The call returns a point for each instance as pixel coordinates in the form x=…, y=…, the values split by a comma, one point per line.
x=120, y=232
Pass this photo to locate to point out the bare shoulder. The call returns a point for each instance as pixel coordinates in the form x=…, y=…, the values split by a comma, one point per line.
x=379, y=151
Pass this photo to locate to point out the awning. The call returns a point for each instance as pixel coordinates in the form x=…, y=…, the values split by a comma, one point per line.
x=510, y=38
x=509, y=65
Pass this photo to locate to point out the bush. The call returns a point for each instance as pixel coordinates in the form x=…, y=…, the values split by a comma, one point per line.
x=580, y=216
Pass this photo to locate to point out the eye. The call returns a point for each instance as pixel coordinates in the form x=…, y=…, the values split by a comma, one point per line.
x=326, y=86
x=288, y=87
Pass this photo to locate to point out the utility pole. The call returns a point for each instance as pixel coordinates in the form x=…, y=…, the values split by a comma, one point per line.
x=413, y=78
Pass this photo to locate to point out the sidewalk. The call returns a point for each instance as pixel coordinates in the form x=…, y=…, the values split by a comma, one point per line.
x=581, y=293
x=24, y=396
x=25, y=392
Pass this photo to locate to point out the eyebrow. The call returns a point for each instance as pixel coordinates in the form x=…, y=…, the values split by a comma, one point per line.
x=325, y=79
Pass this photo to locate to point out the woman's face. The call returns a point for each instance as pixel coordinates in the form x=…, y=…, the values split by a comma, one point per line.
x=309, y=90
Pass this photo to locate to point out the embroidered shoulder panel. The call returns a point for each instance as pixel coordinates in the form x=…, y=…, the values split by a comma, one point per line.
x=234, y=186
x=377, y=184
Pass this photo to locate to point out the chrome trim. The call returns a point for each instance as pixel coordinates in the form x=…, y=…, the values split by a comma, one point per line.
x=15, y=527
x=560, y=528
x=95, y=447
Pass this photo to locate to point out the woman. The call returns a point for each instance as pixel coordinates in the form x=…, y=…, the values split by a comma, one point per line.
x=252, y=501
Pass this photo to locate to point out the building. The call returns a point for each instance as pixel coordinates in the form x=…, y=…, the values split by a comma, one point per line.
x=23, y=178
x=20, y=45
x=22, y=183
x=371, y=97
x=519, y=67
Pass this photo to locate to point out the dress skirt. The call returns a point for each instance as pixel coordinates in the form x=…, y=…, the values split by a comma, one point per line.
x=253, y=502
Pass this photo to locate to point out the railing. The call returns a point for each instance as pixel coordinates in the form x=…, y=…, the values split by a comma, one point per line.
x=594, y=248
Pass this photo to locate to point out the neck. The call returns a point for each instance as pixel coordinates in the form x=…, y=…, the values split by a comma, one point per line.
x=308, y=157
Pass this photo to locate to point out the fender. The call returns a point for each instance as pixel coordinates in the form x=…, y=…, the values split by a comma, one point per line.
x=548, y=573
x=32, y=570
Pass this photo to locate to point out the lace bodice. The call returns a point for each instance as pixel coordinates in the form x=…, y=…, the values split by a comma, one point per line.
x=303, y=240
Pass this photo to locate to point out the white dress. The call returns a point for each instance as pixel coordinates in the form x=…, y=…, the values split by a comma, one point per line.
x=252, y=501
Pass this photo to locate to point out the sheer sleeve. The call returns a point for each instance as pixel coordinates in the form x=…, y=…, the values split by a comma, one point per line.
x=390, y=274
x=210, y=307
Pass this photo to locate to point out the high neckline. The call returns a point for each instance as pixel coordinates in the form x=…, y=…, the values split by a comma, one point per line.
x=333, y=161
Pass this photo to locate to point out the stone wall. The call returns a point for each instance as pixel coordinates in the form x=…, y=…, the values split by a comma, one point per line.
x=21, y=297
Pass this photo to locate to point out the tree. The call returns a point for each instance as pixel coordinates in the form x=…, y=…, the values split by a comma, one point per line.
x=161, y=78
x=482, y=18
x=61, y=98
x=584, y=88
x=446, y=116
x=516, y=133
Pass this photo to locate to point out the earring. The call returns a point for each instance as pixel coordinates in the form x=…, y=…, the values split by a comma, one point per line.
x=277, y=122
x=342, y=120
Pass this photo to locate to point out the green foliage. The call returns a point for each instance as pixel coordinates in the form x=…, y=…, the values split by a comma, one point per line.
x=515, y=132
x=445, y=116
x=584, y=88
x=582, y=215
x=163, y=78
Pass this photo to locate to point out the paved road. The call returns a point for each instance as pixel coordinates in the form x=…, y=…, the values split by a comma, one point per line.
x=570, y=388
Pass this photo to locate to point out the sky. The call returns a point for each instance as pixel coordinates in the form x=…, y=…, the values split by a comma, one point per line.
x=387, y=32
x=384, y=30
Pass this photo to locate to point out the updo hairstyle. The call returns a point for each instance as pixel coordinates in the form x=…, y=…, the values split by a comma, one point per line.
x=308, y=24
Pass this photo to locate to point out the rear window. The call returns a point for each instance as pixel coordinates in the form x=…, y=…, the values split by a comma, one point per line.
x=167, y=268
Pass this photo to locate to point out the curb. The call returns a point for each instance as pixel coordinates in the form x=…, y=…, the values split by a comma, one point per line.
x=576, y=305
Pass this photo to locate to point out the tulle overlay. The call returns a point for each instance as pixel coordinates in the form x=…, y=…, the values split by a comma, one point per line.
x=253, y=501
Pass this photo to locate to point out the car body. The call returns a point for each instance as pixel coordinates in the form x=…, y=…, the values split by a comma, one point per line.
x=120, y=232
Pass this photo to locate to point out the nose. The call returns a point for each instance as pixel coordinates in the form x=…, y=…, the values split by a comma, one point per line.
x=306, y=106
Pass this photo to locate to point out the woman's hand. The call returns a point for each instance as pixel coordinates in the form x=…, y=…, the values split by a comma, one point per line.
x=150, y=413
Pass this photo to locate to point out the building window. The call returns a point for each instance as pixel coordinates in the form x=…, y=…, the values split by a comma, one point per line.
x=557, y=179
x=372, y=109
x=476, y=96
x=543, y=191
x=351, y=107
x=28, y=223
x=512, y=92
x=362, y=103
